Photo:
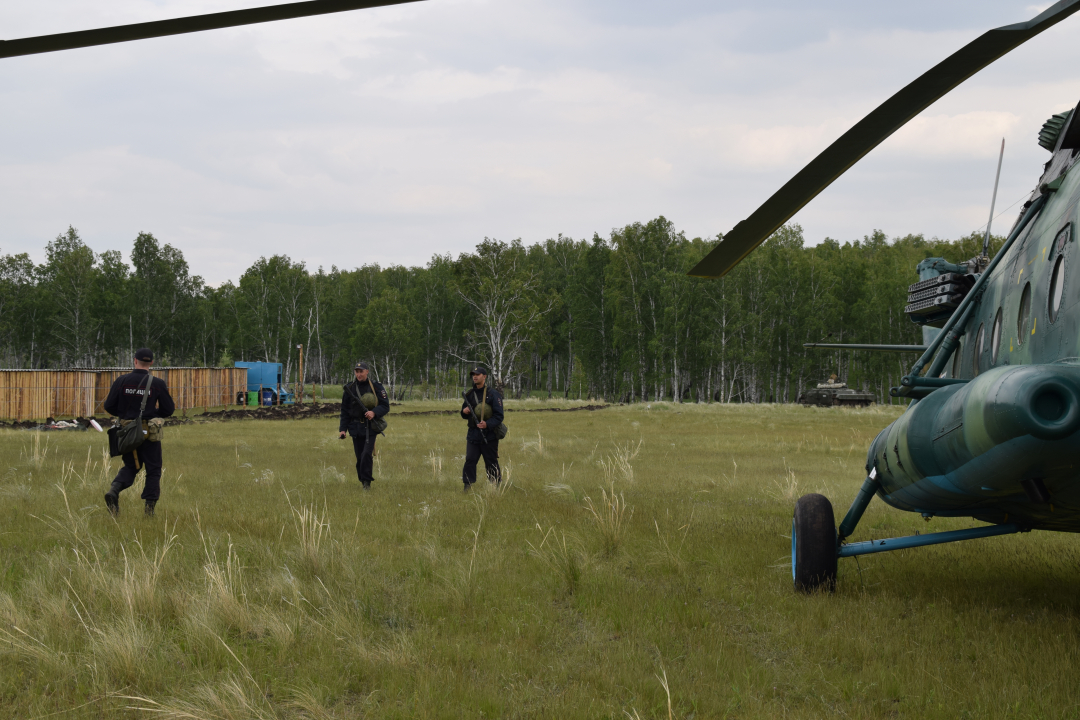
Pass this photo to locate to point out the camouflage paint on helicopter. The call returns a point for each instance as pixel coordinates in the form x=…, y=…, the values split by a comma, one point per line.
x=1047, y=329
x=1002, y=447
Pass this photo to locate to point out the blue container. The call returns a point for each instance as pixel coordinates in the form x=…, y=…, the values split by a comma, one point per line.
x=262, y=375
x=263, y=378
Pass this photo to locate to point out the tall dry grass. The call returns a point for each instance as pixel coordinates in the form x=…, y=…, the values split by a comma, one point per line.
x=269, y=586
x=611, y=517
x=561, y=555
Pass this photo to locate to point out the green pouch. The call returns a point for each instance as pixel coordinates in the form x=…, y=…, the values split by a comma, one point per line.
x=155, y=429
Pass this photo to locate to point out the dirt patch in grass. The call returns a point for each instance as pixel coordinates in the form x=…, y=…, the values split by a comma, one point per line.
x=297, y=412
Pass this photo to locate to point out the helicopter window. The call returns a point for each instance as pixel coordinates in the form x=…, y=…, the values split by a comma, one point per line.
x=1062, y=239
x=1057, y=285
x=1024, y=314
x=995, y=338
x=978, y=350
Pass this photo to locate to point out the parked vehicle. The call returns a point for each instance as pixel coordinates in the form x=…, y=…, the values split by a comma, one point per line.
x=832, y=393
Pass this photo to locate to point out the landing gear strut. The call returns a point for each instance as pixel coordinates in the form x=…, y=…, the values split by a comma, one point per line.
x=816, y=545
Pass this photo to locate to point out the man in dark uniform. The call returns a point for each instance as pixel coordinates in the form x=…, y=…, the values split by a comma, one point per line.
x=124, y=400
x=482, y=440
x=362, y=401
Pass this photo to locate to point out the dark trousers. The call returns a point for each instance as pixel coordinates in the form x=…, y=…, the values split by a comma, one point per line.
x=473, y=452
x=150, y=458
x=364, y=449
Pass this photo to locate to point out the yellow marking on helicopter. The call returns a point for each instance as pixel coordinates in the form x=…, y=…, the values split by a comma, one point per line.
x=1033, y=324
x=1019, y=276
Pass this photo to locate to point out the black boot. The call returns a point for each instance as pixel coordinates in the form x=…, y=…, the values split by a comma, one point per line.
x=367, y=485
x=149, y=509
x=112, y=499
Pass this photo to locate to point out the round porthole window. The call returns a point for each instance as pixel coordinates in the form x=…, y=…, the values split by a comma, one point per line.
x=1057, y=287
x=978, y=350
x=995, y=338
x=1024, y=315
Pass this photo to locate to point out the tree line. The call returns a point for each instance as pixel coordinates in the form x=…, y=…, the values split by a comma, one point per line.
x=613, y=318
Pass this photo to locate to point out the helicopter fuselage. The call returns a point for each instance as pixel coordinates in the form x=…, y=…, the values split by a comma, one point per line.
x=1004, y=445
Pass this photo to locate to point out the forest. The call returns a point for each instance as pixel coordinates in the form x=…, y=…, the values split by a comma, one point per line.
x=613, y=318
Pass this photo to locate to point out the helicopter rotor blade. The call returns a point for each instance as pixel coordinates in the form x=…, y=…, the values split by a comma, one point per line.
x=180, y=26
x=869, y=132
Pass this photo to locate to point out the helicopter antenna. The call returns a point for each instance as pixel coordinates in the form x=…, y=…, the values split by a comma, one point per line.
x=993, y=200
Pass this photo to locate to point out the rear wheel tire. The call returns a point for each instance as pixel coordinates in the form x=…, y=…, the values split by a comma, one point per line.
x=813, y=544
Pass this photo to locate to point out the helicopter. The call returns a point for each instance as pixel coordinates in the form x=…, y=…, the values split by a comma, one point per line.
x=989, y=433
x=993, y=423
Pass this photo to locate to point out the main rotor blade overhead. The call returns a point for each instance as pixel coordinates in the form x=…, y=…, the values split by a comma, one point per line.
x=180, y=26
x=869, y=132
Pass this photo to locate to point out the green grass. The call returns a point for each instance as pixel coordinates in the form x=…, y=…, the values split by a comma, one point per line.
x=270, y=586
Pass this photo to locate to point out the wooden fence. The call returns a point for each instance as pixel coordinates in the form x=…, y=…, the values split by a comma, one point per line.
x=39, y=394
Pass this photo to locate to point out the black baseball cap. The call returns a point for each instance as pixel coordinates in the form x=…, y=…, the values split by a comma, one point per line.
x=479, y=370
x=144, y=355
x=361, y=365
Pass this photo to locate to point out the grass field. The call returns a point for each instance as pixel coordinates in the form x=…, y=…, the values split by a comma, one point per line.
x=634, y=563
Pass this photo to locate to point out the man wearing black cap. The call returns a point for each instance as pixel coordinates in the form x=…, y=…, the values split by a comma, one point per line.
x=482, y=439
x=125, y=401
x=363, y=402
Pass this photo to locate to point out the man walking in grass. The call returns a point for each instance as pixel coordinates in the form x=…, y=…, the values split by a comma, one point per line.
x=125, y=401
x=483, y=408
x=363, y=403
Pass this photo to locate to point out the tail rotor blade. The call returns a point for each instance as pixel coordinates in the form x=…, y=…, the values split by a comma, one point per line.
x=869, y=132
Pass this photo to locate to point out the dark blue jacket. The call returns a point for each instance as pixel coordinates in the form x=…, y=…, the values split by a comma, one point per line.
x=352, y=410
x=126, y=394
x=474, y=397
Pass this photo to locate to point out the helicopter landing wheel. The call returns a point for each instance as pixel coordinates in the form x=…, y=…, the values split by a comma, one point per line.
x=813, y=544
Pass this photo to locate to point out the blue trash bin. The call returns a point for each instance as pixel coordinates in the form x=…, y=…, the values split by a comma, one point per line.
x=268, y=397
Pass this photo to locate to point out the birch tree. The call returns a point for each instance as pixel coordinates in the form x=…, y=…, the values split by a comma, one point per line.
x=508, y=305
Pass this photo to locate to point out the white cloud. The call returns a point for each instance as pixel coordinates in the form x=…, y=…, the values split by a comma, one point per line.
x=393, y=134
x=973, y=135
x=442, y=85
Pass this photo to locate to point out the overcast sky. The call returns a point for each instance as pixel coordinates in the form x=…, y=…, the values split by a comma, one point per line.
x=394, y=134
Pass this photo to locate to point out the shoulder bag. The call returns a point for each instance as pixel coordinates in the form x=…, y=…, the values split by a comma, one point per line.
x=377, y=424
x=127, y=438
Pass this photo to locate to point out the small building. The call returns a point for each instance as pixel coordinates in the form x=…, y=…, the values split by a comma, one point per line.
x=81, y=392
